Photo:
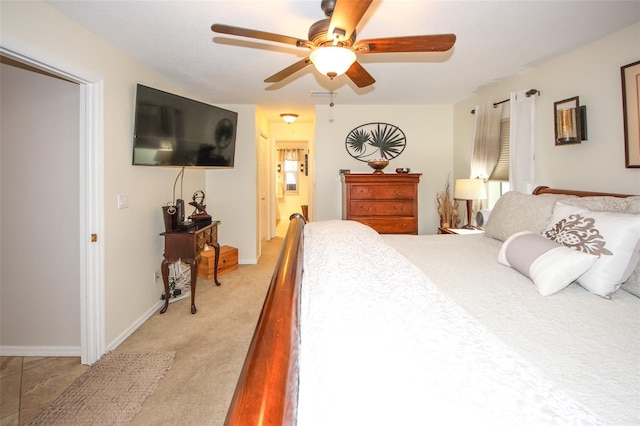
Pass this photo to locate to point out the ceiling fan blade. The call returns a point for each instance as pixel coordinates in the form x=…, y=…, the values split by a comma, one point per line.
x=346, y=15
x=281, y=75
x=424, y=43
x=262, y=35
x=359, y=75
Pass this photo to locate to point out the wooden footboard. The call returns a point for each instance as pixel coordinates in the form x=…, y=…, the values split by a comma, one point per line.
x=267, y=390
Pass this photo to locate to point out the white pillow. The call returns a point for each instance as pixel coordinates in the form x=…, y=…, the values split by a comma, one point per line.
x=551, y=266
x=614, y=237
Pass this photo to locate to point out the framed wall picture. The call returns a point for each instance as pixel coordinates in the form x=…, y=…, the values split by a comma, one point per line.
x=631, y=113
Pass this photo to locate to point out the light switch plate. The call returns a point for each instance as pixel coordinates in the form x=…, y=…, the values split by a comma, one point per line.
x=123, y=201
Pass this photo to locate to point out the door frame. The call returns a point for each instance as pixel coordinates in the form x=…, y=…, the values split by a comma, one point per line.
x=91, y=194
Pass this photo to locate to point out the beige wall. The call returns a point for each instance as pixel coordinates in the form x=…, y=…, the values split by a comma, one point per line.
x=438, y=144
x=592, y=73
x=39, y=280
x=429, y=150
x=231, y=194
x=133, y=248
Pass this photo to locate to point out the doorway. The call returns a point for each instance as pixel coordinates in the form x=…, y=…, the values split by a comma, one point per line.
x=291, y=181
x=88, y=266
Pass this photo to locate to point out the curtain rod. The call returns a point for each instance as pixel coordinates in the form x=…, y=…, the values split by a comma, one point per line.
x=530, y=92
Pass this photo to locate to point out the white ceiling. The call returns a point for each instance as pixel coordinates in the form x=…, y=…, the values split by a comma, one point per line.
x=495, y=39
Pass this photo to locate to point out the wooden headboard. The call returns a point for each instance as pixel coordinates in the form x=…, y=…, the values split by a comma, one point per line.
x=546, y=190
x=267, y=390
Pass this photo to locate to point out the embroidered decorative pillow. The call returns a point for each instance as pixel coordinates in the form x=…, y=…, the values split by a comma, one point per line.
x=614, y=237
x=617, y=205
x=550, y=265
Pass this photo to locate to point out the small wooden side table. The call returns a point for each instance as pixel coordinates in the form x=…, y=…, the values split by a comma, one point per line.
x=187, y=245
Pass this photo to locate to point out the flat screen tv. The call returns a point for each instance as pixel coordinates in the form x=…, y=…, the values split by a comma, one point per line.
x=171, y=130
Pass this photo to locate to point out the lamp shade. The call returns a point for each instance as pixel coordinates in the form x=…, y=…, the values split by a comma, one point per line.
x=469, y=189
x=289, y=117
x=332, y=60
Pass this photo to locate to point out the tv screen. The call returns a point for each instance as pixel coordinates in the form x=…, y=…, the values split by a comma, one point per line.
x=171, y=130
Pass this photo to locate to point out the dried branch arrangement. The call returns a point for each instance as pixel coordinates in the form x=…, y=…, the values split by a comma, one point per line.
x=447, y=209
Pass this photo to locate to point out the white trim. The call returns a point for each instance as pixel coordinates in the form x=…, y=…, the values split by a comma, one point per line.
x=40, y=350
x=92, y=222
x=137, y=324
x=91, y=135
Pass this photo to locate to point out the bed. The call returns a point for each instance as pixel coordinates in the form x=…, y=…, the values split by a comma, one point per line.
x=359, y=328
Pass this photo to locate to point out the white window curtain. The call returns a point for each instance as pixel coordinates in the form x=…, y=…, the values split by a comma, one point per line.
x=486, y=140
x=287, y=173
x=522, y=145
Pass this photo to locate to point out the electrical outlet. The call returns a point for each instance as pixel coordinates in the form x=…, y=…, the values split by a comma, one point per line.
x=156, y=276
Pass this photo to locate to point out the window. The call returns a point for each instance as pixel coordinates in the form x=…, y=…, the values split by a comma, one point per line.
x=290, y=175
x=288, y=168
x=501, y=170
x=498, y=182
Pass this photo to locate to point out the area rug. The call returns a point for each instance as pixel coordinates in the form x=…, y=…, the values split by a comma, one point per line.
x=111, y=392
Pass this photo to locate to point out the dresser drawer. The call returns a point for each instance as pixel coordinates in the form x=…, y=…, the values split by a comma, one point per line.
x=390, y=226
x=386, y=202
x=206, y=237
x=383, y=192
x=382, y=208
x=201, y=240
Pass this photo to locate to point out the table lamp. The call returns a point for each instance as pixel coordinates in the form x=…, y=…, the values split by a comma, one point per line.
x=469, y=189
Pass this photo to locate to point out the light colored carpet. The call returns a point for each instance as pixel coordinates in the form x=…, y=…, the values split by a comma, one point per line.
x=210, y=345
x=111, y=392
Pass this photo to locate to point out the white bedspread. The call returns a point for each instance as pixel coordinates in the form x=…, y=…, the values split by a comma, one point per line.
x=382, y=345
x=588, y=346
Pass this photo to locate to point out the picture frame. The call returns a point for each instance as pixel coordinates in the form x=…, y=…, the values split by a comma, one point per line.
x=631, y=113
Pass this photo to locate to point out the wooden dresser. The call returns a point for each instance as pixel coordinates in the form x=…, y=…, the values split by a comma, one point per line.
x=386, y=202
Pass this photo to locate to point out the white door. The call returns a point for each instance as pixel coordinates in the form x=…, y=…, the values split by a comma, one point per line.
x=262, y=187
x=90, y=162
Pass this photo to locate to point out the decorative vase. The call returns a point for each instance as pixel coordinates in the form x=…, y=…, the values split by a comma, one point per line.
x=378, y=165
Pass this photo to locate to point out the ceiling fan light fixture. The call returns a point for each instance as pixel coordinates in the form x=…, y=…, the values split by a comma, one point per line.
x=289, y=117
x=332, y=61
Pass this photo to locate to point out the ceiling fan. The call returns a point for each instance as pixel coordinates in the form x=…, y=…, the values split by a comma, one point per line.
x=333, y=44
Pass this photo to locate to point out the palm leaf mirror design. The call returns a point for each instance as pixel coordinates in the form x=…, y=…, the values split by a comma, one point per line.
x=374, y=141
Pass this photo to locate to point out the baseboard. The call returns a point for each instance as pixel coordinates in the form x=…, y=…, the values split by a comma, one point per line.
x=133, y=327
x=40, y=351
x=247, y=261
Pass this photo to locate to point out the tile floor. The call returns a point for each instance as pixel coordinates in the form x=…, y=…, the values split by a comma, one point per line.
x=29, y=384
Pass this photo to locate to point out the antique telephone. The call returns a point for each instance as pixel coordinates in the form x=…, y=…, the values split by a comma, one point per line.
x=199, y=216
